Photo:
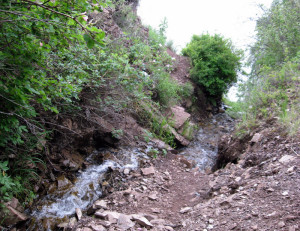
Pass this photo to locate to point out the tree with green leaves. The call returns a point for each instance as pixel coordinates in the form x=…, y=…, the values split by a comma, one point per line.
x=278, y=35
x=39, y=46
x=215, y=63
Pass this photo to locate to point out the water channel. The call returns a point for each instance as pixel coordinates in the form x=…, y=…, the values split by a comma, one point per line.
x=81, y=193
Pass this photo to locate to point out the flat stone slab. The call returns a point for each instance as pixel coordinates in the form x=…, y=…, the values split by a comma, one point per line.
x=179, y=116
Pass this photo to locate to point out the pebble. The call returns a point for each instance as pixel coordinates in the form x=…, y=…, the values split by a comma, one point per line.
x=126, y=171
x=210, y=227
x=281, y=224
x=185, y=210
x=285, y=193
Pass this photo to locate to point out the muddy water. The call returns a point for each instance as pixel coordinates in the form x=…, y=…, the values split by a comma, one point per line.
x=204, y=148
x=61, y=204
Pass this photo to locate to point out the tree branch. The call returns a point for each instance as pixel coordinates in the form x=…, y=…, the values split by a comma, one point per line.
x=57, y=12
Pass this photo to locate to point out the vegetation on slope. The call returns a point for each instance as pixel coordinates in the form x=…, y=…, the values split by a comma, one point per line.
x=50, y=54
x=272, y=90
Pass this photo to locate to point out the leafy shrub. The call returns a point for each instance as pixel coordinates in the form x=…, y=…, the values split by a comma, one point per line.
x=186, y=90
x=215, y=63
x=275, y=94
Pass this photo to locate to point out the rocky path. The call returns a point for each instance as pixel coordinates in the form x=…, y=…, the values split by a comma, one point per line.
x=260, y=192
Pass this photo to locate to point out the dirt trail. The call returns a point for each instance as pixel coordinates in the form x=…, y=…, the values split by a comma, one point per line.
x=263, y=195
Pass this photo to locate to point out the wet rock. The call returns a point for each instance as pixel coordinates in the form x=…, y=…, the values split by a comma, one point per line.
x=63, y=183
x=126, y=171
x=78, y=213
x=63, y=225
x=72, y=222
x=100, y=204
x=142, y=221
x=183, y=141
x=148, y=171
x=124, y=222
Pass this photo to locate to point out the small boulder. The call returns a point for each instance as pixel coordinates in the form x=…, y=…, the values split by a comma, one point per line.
x=256, y=138
x=185, y=210
x=100, y=204
x=142, y=221
x=148, y=171
x=124, y=222
x=179, y=116
x=78, y=213
x=286, y=159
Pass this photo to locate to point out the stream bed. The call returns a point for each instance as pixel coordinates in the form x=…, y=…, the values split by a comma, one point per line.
x=60, y=204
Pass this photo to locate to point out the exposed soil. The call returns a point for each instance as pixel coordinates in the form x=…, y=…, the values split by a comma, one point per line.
x=181, y=72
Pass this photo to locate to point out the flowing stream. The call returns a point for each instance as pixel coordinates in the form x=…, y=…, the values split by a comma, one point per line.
x=62, y=203
x=203, y=149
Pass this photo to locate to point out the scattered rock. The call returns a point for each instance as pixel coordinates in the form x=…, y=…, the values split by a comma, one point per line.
x=281, y=224
x=286, y=159
x=153, y=196
x=78, y=213
x=148, y=171
x=142, y=221
x=185, y=210
x=72, y=222
x=256, y=138
x=86, y=229
x=126, y=171
x=63, y=183
x=100, y=204
x=179, y=116
x=124, y=222
x=127, y=192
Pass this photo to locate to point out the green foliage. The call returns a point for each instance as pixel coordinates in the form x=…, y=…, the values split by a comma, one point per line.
x=170, y=44
x=49, y=55
x=274, y=95
x=117, y=133
x=38, y=73
x=272, y=91
x=12, y=186
x=186, y=90
x=278, y=35
x=215, y=63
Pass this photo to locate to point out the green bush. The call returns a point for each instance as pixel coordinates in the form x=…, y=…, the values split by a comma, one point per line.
x=215, y=63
